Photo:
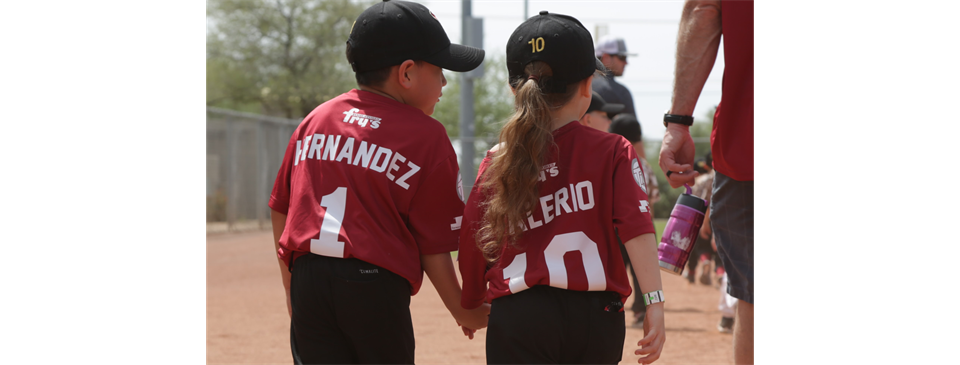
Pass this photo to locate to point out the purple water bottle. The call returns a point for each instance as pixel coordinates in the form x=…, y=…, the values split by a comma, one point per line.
x=681, y=232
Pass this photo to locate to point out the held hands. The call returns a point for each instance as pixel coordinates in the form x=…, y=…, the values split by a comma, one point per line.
x=677, y=154
x=471, y=320
x=654, y=335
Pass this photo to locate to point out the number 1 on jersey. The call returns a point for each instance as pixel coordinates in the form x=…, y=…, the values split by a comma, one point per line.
x=328, y=244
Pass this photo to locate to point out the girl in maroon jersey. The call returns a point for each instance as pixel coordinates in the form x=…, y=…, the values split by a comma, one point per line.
x=541, y=224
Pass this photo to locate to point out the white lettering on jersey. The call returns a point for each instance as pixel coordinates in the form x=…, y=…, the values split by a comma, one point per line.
x=589, y=194
x=547, y=208
x=382, y=151
x=370, y=156
x=553, y=254
x=402, y=181
x=364, y=154
x=316, y=146
x=457, y=222
x=296, y=156
x=352, y=115
x=515, y=271
x=533, y=222
x=328, y=243
x=592, y=265
x=347, y=150
x=644, y=206
x=393, y=164
x=331, y=148
x=580, y=197
x=551, y=168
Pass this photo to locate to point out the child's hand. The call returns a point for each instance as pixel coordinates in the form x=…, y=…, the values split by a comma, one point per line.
x=468, y=332
x=474, y=318
x=654, y=335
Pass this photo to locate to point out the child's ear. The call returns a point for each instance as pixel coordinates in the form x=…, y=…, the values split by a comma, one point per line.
x=405, y=74
x=586, y=87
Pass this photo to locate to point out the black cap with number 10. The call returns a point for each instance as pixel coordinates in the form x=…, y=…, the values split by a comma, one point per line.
x=558, y=40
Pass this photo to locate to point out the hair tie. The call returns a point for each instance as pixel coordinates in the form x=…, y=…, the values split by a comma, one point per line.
x=534, y=77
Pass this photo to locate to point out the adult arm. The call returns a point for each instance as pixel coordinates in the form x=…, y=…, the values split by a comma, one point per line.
x=698, y=41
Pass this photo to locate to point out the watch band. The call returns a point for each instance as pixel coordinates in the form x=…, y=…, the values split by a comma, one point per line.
x=653, y=297
x=679, y=119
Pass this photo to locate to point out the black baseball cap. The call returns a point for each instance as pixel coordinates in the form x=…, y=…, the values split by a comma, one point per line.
x=558, y=40
x=597, y=103
x=390, y=32
x=627, y=126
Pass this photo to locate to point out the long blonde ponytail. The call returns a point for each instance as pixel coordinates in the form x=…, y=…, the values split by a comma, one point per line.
x=511, y=180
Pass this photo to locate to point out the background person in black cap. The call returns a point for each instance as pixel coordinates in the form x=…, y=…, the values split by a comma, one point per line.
x=598, y=114
x=612, y=52
x=540, y=227
x=367, y=198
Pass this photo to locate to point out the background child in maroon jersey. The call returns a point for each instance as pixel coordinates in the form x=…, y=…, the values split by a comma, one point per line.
x=542, y=222
x=366, y=199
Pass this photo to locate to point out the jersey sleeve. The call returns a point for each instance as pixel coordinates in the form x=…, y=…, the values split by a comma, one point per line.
x=631, y=213
x=436, y=209
x=470, y=260
x=280, y=196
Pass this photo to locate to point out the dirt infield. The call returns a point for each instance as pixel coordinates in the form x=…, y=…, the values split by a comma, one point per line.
x=247, y=320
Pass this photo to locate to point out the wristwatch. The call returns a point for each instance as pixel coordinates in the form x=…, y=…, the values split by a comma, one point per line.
x=679, y=119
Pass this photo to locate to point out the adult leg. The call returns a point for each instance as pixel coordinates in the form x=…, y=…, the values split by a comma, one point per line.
x=743, y=334
x=732, y=219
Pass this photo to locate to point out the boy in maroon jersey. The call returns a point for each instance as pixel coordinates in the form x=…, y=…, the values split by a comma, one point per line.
x=542, y=222
x=367, y=198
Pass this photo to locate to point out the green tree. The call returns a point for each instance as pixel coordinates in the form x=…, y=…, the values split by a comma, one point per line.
x=281, y=57
x=700, y=131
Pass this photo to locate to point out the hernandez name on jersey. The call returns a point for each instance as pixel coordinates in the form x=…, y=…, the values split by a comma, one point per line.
x=365, y=152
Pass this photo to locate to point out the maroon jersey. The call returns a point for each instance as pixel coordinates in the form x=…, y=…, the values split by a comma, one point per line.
x=591, y=189
x=368, y=177
x=732, y=137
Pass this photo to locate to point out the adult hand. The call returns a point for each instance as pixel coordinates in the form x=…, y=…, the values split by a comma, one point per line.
x=677, y=154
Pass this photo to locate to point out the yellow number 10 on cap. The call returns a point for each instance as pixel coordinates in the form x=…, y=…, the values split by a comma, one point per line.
x=536, y=44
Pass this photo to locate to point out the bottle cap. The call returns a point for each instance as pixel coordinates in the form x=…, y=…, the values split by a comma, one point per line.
x=693, y=201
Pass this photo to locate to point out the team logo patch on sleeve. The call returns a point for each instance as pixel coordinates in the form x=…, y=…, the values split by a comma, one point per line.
x=460, y=186
x=638, y=175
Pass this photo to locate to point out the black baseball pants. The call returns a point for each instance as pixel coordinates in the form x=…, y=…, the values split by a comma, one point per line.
x=347, y=311
x=547, y=325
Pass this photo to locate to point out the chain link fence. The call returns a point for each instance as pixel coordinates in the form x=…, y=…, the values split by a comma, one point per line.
x=244, y=152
